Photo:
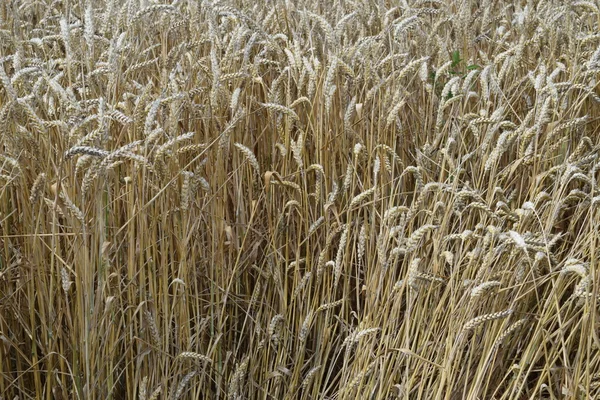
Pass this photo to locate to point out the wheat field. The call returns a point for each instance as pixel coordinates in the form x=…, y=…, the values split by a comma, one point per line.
x=296, y=199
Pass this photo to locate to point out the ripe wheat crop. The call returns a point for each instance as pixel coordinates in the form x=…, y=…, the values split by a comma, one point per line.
x=299, y=199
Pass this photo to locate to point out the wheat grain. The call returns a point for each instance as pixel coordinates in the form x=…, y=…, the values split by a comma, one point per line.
x=183, y=383
x=340, y=255
x=155, y=393
x=90, y=151
x=576, y=266
x=235, y=383
x=475, y=322
x=416, y=236
x=482, y=288
x=37, y=189
x=353, y=385
x=365, y=332
x=143, y=394
x=65, y=280
x=282, y=109
x=71, y=206
x=275, y=327
x=304, y=329
x=153, y=328
x=194, y=356
x=327, y=306
x=518, y=240
x=510, y=330
x=315, y=225
x=362, y=238
x=361, y=197
x=249, y=155
x=310, y=376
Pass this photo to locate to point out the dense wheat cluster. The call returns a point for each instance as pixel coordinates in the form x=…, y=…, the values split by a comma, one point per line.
x=348, y=199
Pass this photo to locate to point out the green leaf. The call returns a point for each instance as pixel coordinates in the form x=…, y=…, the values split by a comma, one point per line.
x=456, y=58
x=473, y=66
